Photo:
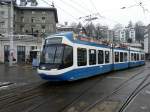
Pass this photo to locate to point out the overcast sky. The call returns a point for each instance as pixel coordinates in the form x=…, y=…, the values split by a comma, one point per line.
x=110, y=10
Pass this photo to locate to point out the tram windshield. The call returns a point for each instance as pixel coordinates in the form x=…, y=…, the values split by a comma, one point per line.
x=57, y=56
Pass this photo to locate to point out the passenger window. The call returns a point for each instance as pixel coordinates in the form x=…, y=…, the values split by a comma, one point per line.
x=116, y=56
x=125, y=57
x=121, y=56
x=82, y=56
x=92, y=57
x=142, y=56
x=100, y=57
x=137, y=57
x=68, y=56
x=134, y=56
x=106, y=56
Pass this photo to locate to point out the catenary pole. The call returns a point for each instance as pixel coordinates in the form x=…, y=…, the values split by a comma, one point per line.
x=11, y=51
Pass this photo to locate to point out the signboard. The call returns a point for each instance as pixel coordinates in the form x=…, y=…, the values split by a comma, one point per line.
x=55, y=40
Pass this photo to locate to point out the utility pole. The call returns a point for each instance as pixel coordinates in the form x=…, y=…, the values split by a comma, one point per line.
x=10, y=34
x=89, y=19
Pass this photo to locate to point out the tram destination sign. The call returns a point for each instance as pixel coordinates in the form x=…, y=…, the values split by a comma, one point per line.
x=55, y=40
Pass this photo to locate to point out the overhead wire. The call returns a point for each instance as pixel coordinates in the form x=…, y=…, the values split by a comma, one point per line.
x=61, y=9
x=72, y=6
x=95, y=8
x=75, y=18
x=81, y=5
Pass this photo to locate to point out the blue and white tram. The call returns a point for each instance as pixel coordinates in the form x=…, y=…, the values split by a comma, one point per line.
x=66, y=58
x=121, y=59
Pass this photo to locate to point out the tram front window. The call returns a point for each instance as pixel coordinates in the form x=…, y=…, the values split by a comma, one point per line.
x=56, y=57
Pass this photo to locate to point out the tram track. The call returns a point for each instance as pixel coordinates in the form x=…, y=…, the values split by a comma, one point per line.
x=34, y=92
x=74, y=100
x=6, y=84
x=115, y=90
x=129, y=99
x=135, y=93
x=41, y=103
x=14, y=98
x=10, y=94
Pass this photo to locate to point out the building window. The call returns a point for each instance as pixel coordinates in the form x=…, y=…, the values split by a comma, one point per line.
x=116, y=56
x=22, y=12
x=106, y=56
x=51, y=28
x=92, y=57
x=22, y=19
x=43, y=28
x=43, y=12
x=33, y=12
x=2, y=24
x=121, y=56
x=22, y=28
x=100, y=57
x=43, y=19
x=2, y=13
x=33, y=47
x=82, y=56
x=33, y=19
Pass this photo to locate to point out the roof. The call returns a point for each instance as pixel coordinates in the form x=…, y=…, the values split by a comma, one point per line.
x=70, y=36
x=40, y=8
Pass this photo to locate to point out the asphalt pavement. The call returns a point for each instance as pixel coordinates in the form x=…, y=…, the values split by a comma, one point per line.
x=121, y=91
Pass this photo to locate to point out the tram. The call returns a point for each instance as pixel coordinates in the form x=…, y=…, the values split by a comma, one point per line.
x=67, y=57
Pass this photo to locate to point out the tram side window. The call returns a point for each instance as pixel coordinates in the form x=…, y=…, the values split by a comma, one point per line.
x=116, y=56
x=106, y=56
x=121, y=56
x=125, y=57
x=137, y=57
x=134, y=56
x=142, y=56
x=68, y=56
x=82, y=56
x=100, y=57
x=92, y=57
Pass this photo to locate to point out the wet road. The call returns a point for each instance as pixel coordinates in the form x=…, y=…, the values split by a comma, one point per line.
x=112, y=92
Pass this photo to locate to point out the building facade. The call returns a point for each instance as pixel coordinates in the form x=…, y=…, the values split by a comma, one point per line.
x=124, y=35
x=132, y=34
x=29, y=25
x=147, y=41
x=120, y=35
x=35, y=20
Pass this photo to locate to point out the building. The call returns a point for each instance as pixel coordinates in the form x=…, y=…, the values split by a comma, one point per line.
x=30, y=23
x=120, y=35
x=110, y=35
x=5, y=15
x=125, y=35
x=132, y=34
x=35, y=20
x=147, y=41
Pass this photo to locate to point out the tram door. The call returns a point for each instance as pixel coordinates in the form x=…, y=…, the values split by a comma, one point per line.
x=21, y=54
x=6, y=53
